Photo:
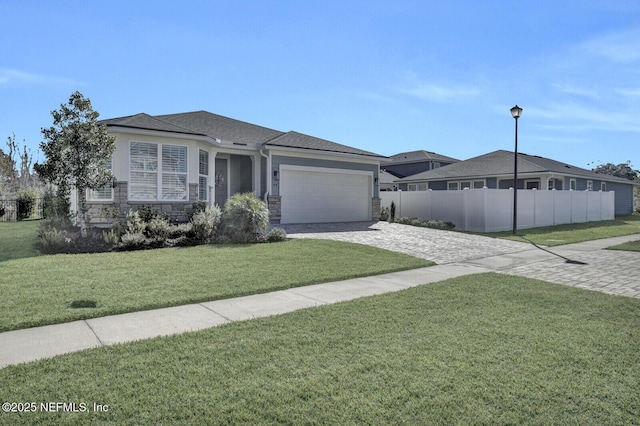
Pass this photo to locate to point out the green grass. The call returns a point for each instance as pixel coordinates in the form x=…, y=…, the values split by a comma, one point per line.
x=17, y=239
x=630, y=246
x=484, y=349
x=575, y=233
x=39, y=290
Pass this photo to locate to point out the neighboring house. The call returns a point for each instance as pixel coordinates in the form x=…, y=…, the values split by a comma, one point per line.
x=173, y=161
x=387, y=181
x=495, y=170
x=410, y=163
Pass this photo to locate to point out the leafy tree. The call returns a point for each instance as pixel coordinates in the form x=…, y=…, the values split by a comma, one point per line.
x=76, y=149
x=622, y=170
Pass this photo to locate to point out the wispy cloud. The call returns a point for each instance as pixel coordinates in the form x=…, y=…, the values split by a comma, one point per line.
x=582, y=116
x=571, y=89
x=15, y=77
x=619, y=47
x=632, y=92
x=440, y=92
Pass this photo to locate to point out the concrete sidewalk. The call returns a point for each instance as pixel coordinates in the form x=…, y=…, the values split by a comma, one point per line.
x=42, y=342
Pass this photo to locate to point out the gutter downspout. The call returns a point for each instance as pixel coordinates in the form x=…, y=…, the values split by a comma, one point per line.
x=268, y=173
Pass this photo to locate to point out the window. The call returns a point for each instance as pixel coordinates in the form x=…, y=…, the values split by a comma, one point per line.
x=465, y=185
x=573, y=185
x=422, y=187
x=532, y=184
x=436, y=164
x=203, y=178
x=589, y=185
x=478, y=184
x=146, y=183
x=453, y=186
x=412, y=187
x=102, y=194
x=603, y=186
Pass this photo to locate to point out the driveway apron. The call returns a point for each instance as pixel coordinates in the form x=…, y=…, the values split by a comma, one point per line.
x=436, y=245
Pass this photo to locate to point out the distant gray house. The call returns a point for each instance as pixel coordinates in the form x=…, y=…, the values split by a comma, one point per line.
x=495, y=170
x=409, y=163
x=172, y=161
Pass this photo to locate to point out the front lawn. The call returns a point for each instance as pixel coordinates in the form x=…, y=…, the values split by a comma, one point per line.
x=630, y=246
x=17, y=239
x=484, y=349
x=576, y=232
x=39, y=290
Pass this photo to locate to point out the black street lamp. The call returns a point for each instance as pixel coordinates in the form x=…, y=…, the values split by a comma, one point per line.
x=516, y=111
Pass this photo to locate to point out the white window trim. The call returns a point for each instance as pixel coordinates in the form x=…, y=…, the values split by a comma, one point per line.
x=527, y=181
x=589, y=185
x=573, y=184
x=603, y=186
x=206, y=177
x=470, y=182
x=159, y=172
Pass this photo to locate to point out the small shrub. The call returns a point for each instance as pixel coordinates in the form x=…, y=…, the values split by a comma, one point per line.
x=145, y=213
x=135, y=224
x=132, y=241
x=276, y=235
x=198, y=207
x=384, y=214
x=158, y=228
x=244, y=216
x=434, y=224
x=2, y=210
x=26, y=203
x=205, y=223
x=180, y=230
x=110, y=237
x=53, y=241
x=392, y=212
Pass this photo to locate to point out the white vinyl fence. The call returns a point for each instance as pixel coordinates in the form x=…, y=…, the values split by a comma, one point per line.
x=491, y=210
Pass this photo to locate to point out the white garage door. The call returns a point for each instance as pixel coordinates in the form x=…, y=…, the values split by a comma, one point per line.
x=316, y=195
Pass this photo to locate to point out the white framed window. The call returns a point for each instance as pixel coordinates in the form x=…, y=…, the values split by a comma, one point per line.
x=532, y=184
x=422, y=187
x=203, y=176
x=102, y=194
x=157, y=171
x=589, y=185
x=436, y=164
x=465, y=185
x=573, y=184
x=478, y=184
x=603, y=186
x=453, y=186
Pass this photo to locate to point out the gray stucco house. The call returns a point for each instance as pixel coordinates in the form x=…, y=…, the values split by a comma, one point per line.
x=495, y=170
x=172, y=161
x=413, y=162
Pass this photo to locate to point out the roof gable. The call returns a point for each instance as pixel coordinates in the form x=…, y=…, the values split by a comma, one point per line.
x=146, y=122
x=299, y=140
x=418, y=157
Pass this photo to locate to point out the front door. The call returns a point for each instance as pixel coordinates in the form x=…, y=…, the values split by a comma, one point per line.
x=221, y=181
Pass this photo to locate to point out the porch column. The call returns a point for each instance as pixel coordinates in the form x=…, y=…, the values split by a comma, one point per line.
x=255, y=174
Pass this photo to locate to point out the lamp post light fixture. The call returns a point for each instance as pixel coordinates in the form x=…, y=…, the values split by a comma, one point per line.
x=516, y=111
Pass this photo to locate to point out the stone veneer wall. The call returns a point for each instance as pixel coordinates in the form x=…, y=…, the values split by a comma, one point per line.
x=102, y=212
x=375, y=208
x=275, y=208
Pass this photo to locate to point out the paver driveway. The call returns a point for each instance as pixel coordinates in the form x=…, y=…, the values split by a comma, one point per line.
x=432, y=244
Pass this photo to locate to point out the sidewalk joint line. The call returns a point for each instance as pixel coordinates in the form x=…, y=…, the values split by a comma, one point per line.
x=94, y=332
x=217, y=313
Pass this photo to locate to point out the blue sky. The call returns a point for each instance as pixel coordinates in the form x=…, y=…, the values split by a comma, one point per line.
x=385, y=76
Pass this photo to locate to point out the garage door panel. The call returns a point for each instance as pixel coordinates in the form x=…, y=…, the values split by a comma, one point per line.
x=318, y=196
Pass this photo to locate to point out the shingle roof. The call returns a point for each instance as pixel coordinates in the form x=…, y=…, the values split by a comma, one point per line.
x=203, y=123
x=501, y=163
x=419, y=156
x=299, y=140
x=220, y=127
x=147, y=122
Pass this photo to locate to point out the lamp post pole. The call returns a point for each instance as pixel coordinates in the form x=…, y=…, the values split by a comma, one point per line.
x=516, y=111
